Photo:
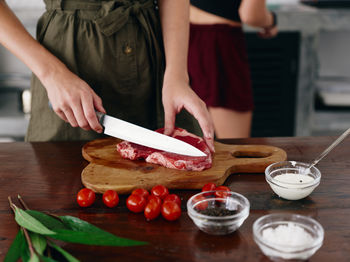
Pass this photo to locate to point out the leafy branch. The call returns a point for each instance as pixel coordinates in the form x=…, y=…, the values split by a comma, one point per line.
x=38, y=229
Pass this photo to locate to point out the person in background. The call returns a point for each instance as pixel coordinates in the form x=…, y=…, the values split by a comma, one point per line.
x=127, y=58
x=217, y=64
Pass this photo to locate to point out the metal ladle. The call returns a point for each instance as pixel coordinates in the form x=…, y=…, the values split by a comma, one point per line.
x=327, y=150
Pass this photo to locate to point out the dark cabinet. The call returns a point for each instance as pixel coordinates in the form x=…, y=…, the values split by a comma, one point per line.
x=274, y=71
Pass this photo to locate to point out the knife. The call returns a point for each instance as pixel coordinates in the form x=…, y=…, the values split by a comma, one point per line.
x=142, y=136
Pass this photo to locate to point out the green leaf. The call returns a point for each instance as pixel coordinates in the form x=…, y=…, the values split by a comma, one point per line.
x=27, y=221
x=47, y=259
x=86, y=233
x=34, y=258
x=14, y=252
x=99, y=239
x=39, y=242
x=49, y=221
x=77, y=224
x=64, y=253
x=25, y=253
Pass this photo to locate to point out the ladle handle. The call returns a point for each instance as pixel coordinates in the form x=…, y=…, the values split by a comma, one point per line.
x=330, y=148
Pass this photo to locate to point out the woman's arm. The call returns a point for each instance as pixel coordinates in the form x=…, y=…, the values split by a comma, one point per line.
x=74, y=105
x=177, y=93
x=255, y=13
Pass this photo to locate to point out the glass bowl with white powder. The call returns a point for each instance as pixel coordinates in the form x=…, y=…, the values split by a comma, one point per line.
x=288, y=236
x=292, y=180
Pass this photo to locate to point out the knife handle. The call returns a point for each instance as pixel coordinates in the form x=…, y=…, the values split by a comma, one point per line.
x=100, y=116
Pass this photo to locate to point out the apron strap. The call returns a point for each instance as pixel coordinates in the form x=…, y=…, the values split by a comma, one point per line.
x=117, y=18
x=53, y=4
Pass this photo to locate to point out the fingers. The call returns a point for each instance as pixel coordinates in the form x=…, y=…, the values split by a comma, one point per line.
x=78, y=109
x=201, y=113
x=70, y=117
x=90, y=115
x=268, y=33
x=263, y=34
x=80, y=116
x=169, y=120
x=62, y=115
x=97, y=102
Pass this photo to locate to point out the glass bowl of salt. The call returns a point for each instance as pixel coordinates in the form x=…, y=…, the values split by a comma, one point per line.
x=288, y=236
x=292, y=180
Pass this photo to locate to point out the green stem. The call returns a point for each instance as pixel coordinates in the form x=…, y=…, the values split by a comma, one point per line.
x=22, y=202
x=25, y=231
x=25, y=206
x=12, y=205
x=29, y=241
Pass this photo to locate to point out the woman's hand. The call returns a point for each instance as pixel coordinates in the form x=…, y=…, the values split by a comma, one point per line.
x=268, y=32
x=73, y=99
x=177, y=94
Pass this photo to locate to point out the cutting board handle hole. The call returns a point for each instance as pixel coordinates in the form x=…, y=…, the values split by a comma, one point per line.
x=250, y=154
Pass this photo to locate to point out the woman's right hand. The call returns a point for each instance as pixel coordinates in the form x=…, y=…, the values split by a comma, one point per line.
x=73, y=99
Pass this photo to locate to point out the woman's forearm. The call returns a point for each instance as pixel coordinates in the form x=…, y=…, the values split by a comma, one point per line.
x=18, y=41
x=174, y=17
x=255, y=13
x=72, y=99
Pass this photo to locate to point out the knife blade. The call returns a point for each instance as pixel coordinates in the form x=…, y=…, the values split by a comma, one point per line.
x=142, y=136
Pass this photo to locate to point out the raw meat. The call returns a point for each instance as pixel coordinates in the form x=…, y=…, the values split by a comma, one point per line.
x=170, y=160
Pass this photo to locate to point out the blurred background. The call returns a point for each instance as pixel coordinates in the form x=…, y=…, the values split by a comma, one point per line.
x=301, y=78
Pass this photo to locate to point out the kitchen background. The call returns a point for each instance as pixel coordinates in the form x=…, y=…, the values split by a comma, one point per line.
x=301, y=79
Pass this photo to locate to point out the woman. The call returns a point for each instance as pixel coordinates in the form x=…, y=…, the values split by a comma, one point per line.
x=106, y=56
x=218, y=67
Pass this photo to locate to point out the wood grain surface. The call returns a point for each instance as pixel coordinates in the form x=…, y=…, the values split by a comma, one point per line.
x=48, y=176
x=108, y=170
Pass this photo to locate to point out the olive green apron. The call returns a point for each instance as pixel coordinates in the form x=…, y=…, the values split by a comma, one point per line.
x=116, y=47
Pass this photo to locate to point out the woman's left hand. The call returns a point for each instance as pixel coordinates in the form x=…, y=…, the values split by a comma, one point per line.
x=268, y=32
x=177, y=94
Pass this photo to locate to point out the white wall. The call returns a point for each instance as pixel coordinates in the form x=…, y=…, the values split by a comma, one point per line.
x=25, y=3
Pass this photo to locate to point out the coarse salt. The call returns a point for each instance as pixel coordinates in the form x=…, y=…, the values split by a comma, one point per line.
x=291, y=234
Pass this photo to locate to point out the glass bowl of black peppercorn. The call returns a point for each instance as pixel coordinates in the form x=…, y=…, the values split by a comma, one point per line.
x=218, y=212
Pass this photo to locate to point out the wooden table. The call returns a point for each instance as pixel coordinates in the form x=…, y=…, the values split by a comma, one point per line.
x=47, y=175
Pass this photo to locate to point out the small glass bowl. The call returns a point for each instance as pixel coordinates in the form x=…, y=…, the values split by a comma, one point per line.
x=275, y=250
x=289, y=190
x=226, y=214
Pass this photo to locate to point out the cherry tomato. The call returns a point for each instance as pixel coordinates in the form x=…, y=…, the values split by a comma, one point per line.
x=153, y=207
x=110, y=198
x=141, y=191
x=136, y=203
x=160, y=191
x=200, y=206
x=154, y=197
x=86, y=197
x=173, y=198
x=208, y=187
x=222, y=191
x=171, y=210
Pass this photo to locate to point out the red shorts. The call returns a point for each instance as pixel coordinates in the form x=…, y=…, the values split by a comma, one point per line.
x=218, y=66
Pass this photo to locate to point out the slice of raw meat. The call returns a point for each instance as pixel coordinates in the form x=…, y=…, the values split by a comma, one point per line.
x=170, y=160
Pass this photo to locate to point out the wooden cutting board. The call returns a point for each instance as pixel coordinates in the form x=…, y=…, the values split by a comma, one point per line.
x=107, y=170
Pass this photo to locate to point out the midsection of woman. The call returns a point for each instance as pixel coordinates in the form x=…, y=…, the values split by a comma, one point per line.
x=199, y=16
x=218, y=65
